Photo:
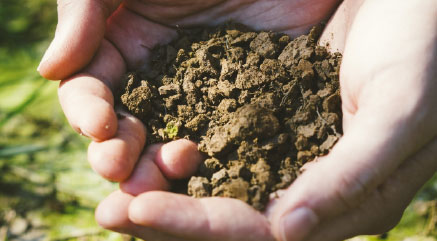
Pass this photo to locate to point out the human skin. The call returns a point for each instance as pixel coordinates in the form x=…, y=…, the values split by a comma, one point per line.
x=388, y=85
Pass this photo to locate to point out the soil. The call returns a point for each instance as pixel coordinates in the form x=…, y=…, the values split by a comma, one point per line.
x=259, y=104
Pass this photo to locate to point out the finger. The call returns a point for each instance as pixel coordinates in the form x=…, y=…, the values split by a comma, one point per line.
x=80, y=30
x=146, y=176
x=178, y=159
x=114, y=159
x=383, y=209
x=89, y=107
x=380, y=137
x=199, y=219
x=86, y=98
x=112, y=214
x=174, y=160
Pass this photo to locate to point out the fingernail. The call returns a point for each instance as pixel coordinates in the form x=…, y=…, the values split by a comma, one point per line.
x=297, y=224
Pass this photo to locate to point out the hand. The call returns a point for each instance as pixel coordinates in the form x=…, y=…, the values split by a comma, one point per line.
x=401, y=144
x=91, y=60
x=389, y=148
x=387, y=153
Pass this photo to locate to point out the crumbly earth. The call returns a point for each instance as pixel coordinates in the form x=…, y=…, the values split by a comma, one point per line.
x=259, y=104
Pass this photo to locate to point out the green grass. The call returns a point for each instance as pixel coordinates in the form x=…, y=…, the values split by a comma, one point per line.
x=44, y=174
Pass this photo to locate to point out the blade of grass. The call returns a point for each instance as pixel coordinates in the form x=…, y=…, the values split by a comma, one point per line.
x=20, y=108
x=17, y=150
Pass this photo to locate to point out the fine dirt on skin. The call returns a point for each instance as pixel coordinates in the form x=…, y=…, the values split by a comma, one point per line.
x=259, y=104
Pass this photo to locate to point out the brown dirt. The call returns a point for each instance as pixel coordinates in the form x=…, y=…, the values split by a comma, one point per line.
x=259, y=104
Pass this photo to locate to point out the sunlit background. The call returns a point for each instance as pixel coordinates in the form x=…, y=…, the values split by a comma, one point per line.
x=47, y=189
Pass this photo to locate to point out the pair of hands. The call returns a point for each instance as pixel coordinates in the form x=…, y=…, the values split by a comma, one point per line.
x=388, y=84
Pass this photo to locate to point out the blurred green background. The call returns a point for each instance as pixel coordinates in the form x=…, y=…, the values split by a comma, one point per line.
x=47, y=189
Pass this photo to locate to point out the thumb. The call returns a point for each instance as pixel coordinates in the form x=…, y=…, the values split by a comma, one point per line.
x=80, y=30
x=372, y=148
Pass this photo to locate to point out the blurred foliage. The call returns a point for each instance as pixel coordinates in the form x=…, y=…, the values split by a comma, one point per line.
x=24, y=22
x=46, y=184
x=47, y=189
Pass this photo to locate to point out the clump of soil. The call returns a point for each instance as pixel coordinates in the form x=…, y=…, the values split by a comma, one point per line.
x=259, y=104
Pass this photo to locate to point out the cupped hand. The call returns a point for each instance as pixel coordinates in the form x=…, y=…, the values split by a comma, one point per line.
x=388, y=150
x=387, y=153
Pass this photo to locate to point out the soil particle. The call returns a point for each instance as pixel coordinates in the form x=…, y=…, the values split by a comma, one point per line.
x=264, y=45
x=259, y=104
x=199, y=187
